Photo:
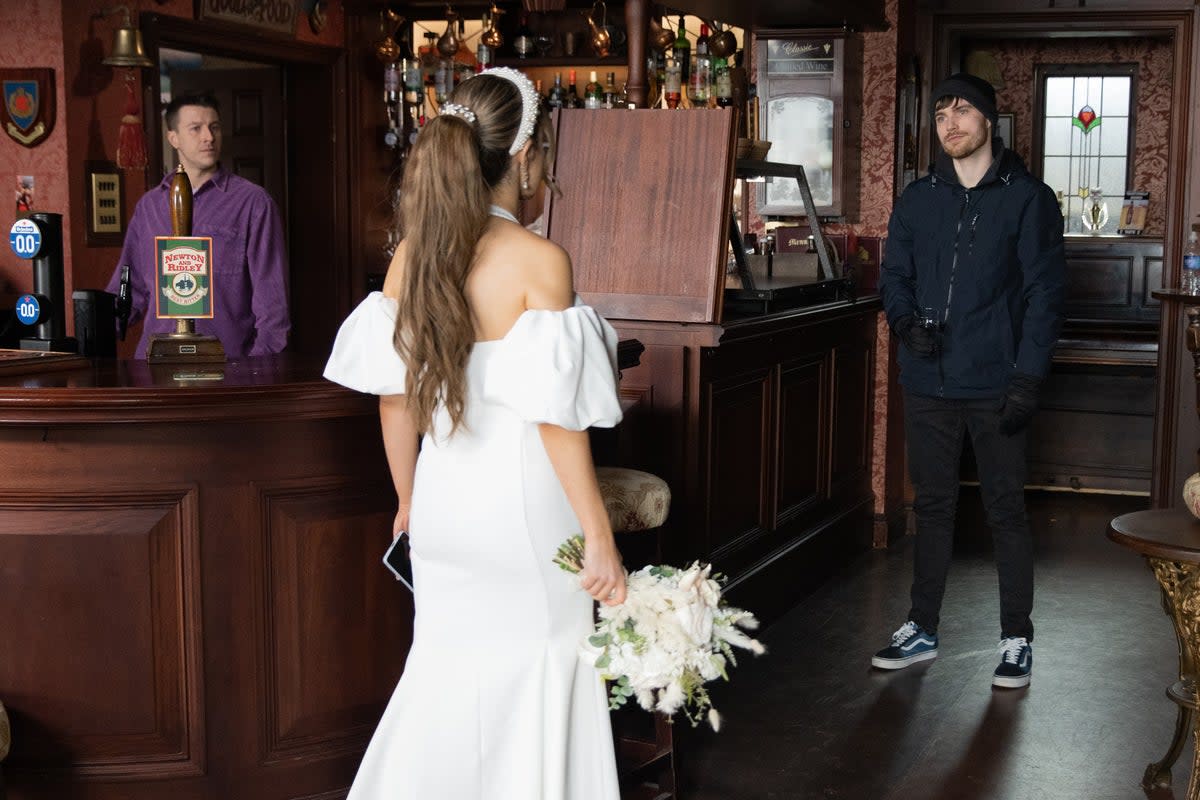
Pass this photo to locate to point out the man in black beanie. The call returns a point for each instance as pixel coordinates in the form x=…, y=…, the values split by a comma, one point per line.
x=972, y=283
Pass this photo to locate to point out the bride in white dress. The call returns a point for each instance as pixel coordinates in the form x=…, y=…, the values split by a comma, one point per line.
x=477, y=344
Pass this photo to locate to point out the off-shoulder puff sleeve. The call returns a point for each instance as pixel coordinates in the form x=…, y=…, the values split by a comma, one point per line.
x=364, y=358
x=558, y=367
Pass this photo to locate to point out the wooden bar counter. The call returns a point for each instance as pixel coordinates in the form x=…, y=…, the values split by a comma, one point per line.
x=189, y=570
x=760, y=424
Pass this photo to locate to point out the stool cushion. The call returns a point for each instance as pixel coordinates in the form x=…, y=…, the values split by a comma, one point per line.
x=635, y=500
x=1191, y=494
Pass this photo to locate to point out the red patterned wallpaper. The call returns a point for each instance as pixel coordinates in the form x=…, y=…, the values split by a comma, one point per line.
x=878, y=146
x=1016, y=60
x=30, y=34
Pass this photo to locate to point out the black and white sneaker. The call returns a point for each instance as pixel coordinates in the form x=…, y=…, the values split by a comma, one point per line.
x=909, y=645
x=1016, y=663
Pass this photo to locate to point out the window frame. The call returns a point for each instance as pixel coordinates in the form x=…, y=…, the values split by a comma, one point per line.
x=1043, y=71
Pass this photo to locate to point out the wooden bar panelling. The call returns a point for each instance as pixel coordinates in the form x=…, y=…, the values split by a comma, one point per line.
x=207, y=607
x=762, y=406
x=801, y=474
x=321, y=679
x=738, y=458
x=1109, y=281
x=101, y=663
x=613, y=195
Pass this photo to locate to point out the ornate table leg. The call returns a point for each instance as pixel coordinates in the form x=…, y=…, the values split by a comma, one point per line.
x=1180, y=582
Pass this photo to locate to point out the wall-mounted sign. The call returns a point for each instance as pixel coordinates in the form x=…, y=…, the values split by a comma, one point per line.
x=800, y=56
x=272, y=15
x=27, y=107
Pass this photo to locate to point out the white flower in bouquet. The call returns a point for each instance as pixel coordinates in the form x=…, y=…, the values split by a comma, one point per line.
x=673, y=634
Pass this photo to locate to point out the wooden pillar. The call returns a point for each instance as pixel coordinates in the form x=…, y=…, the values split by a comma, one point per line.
x=637, y=19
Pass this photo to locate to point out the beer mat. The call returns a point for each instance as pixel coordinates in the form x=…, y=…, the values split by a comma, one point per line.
x=16, y=362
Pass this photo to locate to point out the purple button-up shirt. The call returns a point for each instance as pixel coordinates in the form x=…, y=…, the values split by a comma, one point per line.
x=250, y=305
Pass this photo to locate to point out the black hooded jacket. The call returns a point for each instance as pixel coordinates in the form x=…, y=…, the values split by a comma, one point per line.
x=989, y=260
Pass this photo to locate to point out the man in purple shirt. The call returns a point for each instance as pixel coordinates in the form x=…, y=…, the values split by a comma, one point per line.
x=250, y=301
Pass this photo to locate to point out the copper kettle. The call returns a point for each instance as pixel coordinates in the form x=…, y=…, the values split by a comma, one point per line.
x=721, y=43
x=491, y=37
x=598, y=38
x=660, y=37
x=447, y=43
x=386, y=49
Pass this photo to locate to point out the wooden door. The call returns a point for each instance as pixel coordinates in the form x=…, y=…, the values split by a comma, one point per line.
x=252, y=141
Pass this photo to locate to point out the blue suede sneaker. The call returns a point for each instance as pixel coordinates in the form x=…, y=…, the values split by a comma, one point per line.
x=909, y=645
x=1016, y=663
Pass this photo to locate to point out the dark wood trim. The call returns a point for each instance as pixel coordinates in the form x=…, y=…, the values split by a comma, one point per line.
x=163, y=30
x=130, y=391
x=1178, y=23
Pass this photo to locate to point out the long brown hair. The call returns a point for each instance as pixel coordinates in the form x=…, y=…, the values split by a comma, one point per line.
x=448, y=181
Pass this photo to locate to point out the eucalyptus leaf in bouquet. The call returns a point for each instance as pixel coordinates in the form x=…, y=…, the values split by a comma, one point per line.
x=673, y=634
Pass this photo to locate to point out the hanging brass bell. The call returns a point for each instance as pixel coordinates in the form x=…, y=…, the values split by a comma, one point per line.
x=127, y=49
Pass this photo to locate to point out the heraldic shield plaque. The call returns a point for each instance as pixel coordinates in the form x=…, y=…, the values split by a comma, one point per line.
x=27, y=113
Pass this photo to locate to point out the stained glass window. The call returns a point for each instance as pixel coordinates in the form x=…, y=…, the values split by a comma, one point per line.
x=1086, y=147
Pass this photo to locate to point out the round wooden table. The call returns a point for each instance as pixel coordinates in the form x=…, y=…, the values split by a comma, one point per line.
x=1170, y=541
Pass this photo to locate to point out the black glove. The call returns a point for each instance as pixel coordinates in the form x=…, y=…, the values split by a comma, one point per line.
x=1020, y=401
x=921, y=340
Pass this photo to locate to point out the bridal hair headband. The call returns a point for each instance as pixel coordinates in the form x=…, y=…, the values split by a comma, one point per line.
x=455, y=110
x=529, y=104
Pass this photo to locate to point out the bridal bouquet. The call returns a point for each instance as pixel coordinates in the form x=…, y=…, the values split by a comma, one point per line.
x=672, y=635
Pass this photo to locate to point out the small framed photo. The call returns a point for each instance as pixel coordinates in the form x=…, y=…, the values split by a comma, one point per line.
x=1005, y=124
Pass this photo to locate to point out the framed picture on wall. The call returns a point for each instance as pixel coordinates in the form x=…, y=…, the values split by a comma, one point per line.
x=1005, y=124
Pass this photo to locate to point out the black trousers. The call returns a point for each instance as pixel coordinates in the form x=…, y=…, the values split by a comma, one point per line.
x=934, y=428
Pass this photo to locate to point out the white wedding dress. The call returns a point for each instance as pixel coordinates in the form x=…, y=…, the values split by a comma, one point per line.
x=494, y=702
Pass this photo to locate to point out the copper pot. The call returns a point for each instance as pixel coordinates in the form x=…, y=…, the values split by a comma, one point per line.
x=660, y=37
x=598, y=36
x=491, y=37
x=721, y=43
x=447, y=43
x=386, y=49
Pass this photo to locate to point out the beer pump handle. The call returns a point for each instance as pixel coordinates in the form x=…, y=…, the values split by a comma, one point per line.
x=124, y=302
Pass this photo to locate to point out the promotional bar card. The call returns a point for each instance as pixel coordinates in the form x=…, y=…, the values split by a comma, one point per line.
x=184, y=277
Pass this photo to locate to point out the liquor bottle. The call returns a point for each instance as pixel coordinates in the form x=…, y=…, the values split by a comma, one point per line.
x=429, y=58
x=1191, y=264
x=392, y=82
x=523, y=41
x=700, y=81
x=671, y=88
x=443, y=79
x=484, y=55
x=611, y=99
x=723, y=85
x=557, y=96
x=572, y=98
x=682, y=51
x=593, y=95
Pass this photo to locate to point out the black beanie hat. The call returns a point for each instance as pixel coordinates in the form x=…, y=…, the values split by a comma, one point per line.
x=975, y=91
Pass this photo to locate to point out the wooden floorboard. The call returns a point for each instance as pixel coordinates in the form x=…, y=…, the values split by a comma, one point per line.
x=812, y=720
